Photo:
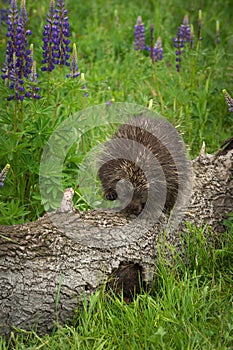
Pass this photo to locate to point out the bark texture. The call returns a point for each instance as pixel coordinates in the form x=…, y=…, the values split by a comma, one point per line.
x=47, y=266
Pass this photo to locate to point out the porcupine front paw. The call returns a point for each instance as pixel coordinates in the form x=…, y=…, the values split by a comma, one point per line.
x=110, y=195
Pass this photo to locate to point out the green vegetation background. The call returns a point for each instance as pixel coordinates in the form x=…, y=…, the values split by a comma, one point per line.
x=191, y=306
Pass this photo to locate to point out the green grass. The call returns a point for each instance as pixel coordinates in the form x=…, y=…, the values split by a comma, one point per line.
x=190, y=306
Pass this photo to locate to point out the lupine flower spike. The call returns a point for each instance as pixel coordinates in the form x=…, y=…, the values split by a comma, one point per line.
x=33, y=87
x=49, y=36
x=183, y=36
x=139, y=35
x=158, y=50
x=74, y=64
x=185, y=29
x=110, y=102
x=179, y=44
x=17, y=65
x=12, y=22
x=3, y=14
x=22, y=43
x=217, y=36
x=229, y=100
x=62, y=44
x=56, y=45
x=3, y=174
x=8, y=69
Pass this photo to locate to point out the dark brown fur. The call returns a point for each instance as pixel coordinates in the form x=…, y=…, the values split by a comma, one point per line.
x=116, y=167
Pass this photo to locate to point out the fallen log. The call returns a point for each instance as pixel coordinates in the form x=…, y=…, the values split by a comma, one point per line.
x=48, y=265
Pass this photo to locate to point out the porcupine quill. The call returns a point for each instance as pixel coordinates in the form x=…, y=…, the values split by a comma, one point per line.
x=144, y=165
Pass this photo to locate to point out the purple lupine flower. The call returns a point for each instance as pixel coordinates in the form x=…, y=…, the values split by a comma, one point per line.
x=3, y=174
x=3, y=14
x=22, y=42
x=33, y=88
x=49, y=37
x=15, y=82
x=179, y=44
x=56, y=45
x=62, y=44
x=18, y=61
x=158, y=50
x=84, y=87
x=74, y=64
x=183, y=36
x=139, y=35
x=23, y=13
x=185, y=29
x=229, y=100
x=152, y=34
x=12, y=21
x=109, y=102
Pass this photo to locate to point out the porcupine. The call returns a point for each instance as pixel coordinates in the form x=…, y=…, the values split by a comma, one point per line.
x=144, y=156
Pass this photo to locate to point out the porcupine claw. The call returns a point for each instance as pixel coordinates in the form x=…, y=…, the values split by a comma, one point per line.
x=110, y=195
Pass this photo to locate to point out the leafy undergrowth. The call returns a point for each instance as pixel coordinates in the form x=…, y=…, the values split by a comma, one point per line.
x=102, y=41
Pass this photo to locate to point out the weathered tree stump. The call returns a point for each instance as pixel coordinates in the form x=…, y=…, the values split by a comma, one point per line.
x=47, y=266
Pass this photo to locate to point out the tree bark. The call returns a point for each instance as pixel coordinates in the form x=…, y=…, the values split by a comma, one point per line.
x=47, y=266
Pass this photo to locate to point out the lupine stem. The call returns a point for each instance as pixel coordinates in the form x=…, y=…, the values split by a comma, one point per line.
x=152, y=43
x=199, y=28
